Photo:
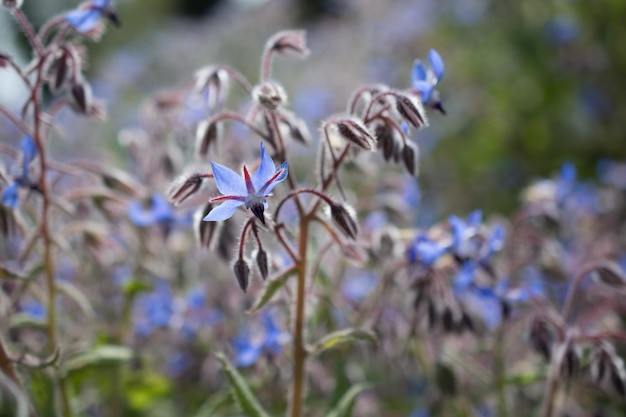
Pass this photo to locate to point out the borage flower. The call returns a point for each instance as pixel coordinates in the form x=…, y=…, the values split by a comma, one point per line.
x=87, y=16
x=249, y=191
x=425, y=80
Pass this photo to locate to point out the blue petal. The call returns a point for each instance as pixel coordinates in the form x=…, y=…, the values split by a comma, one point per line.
x=265, y=171
x=10, y=197
x=228, y=181
x=223, y=211
x=496, y=240
x=475, y=218
x=161, y=209
x=29, y=148
x=272, y=335
x=436, y=64
x=465, y=276
x=101, y=3
x=139, y=216
x=425, y=88
x=83, y=20
x=358, y=288
x=278, y=179
x=246, y=352
x=419, y=71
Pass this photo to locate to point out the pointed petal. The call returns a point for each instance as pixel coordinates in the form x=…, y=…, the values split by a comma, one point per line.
x=223, y=211
x=83, y=20
x=9, y=197
x=425, y=88
x=29, y=149
x=265, y=171
x=228, y=181
x=419, y=71
x=436, y=64
x=280, y=175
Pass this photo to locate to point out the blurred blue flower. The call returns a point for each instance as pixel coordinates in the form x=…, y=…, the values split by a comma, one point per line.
x=248, y=349
x=160, y=211
x=154, y=310
x=484, y=302
x=495, y=242
x=424, y=81
x=356, y=288
x=34, y=309
x=562, y=29
x=464, y=276
x=10, y=197
x=565, y=182
x=178, y=363
x=425, y=251
x=463, y=232
x=86, y=18
x=194, y=313
x=612, y=173
x=251, y=191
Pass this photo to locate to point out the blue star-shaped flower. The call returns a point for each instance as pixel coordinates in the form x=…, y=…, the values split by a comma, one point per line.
x=424, y=81
x=85, y=19
x=10, y=197
x=249, y=191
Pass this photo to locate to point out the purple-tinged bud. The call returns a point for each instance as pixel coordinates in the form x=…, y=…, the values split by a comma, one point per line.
x=81, y=97
x=270, y=95
x=297, y=128
x=207, y=133
x=344, y=218
x=262, y=262
x=610, y=274
x=387, y=140
x=206, y=232
x=242, y=273
x=411, y=110
x=410, y=157
x=12, y=4
x=120, y=181
x=600, y=361
x=353, y=131
x=185, y=186
x=570, y=360
x=291, y=43
x=541, y=338
x=215, y=81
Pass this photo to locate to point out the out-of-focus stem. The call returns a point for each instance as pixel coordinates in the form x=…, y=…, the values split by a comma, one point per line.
x=500, y=373
x=299, y=349
x=28, y=30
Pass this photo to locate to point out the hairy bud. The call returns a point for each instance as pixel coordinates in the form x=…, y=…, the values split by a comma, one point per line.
x=270, y=95
x=185, y=186
x=12, y=4
x=242, y=273
x=541, y=338
x=206, y=232
x=353, y=131
x=214, y=80
x=345, y=219
x=570, y=360
x=262, y=262
x=296, y=127
x=81, y=97
x=610, y=274
x=291, y=43
x=207, y=133
x=410, y=158
x=411, y=110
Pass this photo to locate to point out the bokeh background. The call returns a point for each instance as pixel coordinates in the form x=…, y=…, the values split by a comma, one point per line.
x=528, y=85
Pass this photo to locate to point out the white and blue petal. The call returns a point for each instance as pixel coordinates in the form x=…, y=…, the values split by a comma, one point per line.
x=228, y=181
x=223, y=211
x=282, y=172
x=419, y=71
x=436, y=63
x=265, y=171
x=425, y=88
x=101, y=3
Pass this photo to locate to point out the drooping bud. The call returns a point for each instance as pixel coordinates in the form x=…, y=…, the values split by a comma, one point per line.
x=570, y=360
x=353, y=131
x=387, y=140
x=242, y=273
x=291, y=43
x=270, y=95
x=262, y=262
x=600, y=361
x=206, y=232
x=410, y=158
x=81, y=97
x=296, y=128
x=411, y=110
x=214, y=80
x=185, y=186
x=344, y=218
x=610, y=274
x=618, y=375
x=207, y=133
x=541, y=338
x=12, y=4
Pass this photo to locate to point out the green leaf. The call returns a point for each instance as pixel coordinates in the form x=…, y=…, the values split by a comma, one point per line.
x=42, y=390
x=272, y=286
x=342, y=337
x=241, y=391
x=105, y=355
x=211, y=405
x=344, y=406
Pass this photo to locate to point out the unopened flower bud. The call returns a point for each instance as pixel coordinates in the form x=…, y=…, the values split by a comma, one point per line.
x=215, y=81
x=242, y=273
x=289, y=43
x=185, y=186
x=206, y=232
x=12, y=4
x=270, y=95
x=345, y=219
x=411, y=110
x=570, y=361
x=207, y=133
x=609, y=274
x=353, y=131
x=409, y=157
x=81, y=97
x=262, y=263
x=541, y=338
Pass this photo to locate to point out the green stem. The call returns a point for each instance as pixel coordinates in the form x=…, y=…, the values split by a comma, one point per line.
x=299, y=349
